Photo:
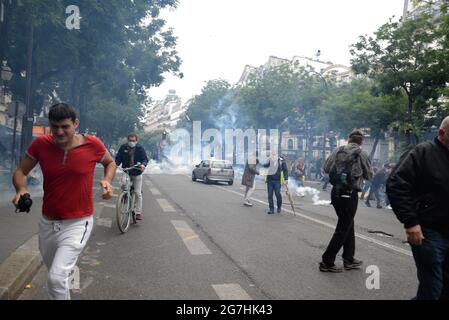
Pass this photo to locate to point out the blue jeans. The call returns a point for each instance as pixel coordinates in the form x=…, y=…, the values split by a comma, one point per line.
x=432, y=263
x=274, y=186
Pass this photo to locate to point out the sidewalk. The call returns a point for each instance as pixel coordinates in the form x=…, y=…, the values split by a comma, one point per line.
x=19, y=254
x=20, y=258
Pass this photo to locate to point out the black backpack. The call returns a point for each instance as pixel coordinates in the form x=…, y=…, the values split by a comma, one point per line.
x=343, y=177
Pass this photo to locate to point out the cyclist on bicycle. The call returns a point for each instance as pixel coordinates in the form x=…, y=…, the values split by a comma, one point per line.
x=128, y=155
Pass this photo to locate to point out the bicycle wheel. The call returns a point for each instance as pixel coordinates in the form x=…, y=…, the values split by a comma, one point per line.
x=123, y=212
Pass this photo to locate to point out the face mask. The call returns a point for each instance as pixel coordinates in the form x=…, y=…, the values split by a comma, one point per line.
x=132, y=144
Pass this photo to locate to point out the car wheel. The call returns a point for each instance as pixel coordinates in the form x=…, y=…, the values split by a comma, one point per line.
x=193, y=176
x=206, y=179
x=231, y=182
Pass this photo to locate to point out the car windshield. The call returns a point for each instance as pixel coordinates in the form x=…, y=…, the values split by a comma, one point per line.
x=221, y=165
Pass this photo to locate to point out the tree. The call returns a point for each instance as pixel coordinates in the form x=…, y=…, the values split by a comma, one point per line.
x=286, y=97
x=211, y=107
x=410, y=56
x=357, y=104
x=273, y=98
x=121, y=49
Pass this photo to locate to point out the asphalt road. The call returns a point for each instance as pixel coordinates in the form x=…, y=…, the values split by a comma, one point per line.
x=198, y=241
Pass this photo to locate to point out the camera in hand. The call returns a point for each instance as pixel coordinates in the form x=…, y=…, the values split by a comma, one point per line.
x=25, y=203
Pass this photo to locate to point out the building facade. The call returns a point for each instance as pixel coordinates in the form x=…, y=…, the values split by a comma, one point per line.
x=165, y=113
x=327, y=69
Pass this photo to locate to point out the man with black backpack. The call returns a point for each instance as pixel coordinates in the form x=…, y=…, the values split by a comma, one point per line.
x=347, y=167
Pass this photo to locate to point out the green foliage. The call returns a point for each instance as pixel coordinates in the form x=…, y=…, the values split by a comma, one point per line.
x=356, y=105
x=412, y=57
x=111, y=119
x=211, y=106
x=121, y=49
x=150, y=139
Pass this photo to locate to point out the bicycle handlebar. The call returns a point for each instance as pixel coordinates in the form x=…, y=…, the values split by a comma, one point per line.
x=136, y=166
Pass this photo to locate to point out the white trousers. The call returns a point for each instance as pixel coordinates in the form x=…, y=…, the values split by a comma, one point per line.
x=137, y=183
x=249, y=191
x=61, y=243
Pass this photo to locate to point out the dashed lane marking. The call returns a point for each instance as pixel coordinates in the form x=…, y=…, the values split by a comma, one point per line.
x=155, y=191
x=230, y=291
x=104, y=222
x=190, y=238
x=165, y=205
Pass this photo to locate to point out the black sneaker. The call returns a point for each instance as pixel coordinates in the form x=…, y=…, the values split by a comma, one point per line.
x=324, y=267
x=279, y=210
x=270, y=212
x=354, y=264
x=368, y=204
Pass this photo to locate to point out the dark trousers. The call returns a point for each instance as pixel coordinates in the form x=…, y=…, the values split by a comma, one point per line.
x=344, y=235
x=274, y=186
x=432, y=264
x=325, y=182
x=374, y=190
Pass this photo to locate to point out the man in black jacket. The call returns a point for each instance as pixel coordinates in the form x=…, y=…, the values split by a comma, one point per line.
x=418, y=190
x=128, y=155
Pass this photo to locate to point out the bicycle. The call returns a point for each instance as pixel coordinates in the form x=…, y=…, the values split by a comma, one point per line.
x=125, y=207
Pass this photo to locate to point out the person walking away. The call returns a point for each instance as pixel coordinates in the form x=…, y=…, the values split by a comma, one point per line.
x=248, y=179
x=300, y=172
x=347, y=166
x=67, y=160
x=379, y=179
x=367, y=186
x=418, y=189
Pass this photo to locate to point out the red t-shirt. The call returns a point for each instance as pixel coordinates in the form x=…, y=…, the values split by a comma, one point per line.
x=68, y=175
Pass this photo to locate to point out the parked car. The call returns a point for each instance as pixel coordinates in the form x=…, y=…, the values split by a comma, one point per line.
x=214, y=170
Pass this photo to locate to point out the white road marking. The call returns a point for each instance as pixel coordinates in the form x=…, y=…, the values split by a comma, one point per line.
x=104, y=222
x=190, y=238
x=148, y=183
x=165, y=205
x=155, y=191
x=358, y=235
x=230, y=291
x=109, y=205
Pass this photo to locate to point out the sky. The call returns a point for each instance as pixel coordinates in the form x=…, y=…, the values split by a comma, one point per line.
x=217, y=38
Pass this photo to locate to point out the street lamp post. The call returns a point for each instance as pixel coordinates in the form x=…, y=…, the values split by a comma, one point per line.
x=13, y=147
x=28, y=118
x=6, y=75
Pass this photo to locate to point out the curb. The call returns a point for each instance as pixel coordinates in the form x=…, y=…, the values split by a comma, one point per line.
x=19, y=269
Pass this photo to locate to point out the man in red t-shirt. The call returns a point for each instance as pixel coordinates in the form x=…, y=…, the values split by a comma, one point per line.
x=68, y=162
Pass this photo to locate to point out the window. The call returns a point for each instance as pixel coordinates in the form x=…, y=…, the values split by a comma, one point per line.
x=221, y=165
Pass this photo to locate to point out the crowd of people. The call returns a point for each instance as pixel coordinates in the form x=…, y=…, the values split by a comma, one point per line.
x=416, y=187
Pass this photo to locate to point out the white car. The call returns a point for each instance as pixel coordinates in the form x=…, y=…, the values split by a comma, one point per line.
x=214, y=170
